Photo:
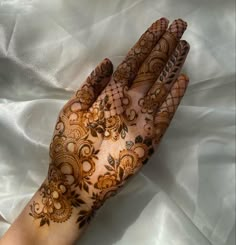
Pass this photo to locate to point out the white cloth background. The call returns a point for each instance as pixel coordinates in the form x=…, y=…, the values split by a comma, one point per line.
x=186, y=194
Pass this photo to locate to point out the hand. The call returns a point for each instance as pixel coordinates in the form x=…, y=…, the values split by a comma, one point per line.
x=111, y=126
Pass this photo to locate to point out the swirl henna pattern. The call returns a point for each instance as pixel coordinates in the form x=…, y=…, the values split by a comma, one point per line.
x=108, y=130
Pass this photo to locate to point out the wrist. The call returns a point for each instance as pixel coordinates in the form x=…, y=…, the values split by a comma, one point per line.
x=37, y=224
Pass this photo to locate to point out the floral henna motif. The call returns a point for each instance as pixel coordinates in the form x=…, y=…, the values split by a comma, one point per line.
x=117, y=173
x=119, y=170
x=111, y=127
x=57, y=199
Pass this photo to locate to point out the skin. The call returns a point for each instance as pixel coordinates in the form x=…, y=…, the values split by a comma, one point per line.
x=104, y=135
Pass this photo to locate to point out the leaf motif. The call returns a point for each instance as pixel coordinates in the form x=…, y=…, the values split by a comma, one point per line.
x=100, y=130
x=147, y=141
x=42, y=222
x=120, y=129
x=86, y=188
x=111, y=160
x=93, y=132
x=123, y=134
x=106, y=99
x=92, y=125
x=150, y=151
x=147, y=119
x=96, y=152
x=139, y=139
x=121, y=173
x=125, y=127
x=83, y=212
x=82, y=223
x=80, y=219
x=145, y=161
x=129, y=144
x=109, y=168
x=74, y=204
x=108, y=106
x=80, y=201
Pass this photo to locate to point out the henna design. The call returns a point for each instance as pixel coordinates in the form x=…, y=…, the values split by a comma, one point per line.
x=128, y=69
x=102, y=112
x=155, y=62
x=111, y=127
x=169, y=106
x=159, y=90
x=85, y=217
x=57, y=199
x=93, y=85
x=119, y=170
x=72, y=154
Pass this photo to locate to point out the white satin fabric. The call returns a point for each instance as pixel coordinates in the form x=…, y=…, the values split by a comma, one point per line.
x=186, y=194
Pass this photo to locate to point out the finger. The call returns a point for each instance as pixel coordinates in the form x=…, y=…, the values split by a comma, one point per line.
x=155, y=62
x=128, y=69
x=169, y=107
x=159, y=90
x=91, y=87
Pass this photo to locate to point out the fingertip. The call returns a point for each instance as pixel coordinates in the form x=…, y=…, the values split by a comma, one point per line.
x=108, y=65
x=159, y=25
x=165, y=20
x=177, y=28
x=184, y=44
x=183, y=22
x=183, y=77
x=182, y=81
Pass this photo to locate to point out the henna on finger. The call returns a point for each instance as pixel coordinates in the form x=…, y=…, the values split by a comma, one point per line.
x=168, y=108
x=91, y=87
x=157, y=93
x=128, y=69
x=155, y=62
x=113, y=94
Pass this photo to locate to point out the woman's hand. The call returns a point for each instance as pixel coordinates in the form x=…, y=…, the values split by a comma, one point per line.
x=110, y=127
x=104, y=134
